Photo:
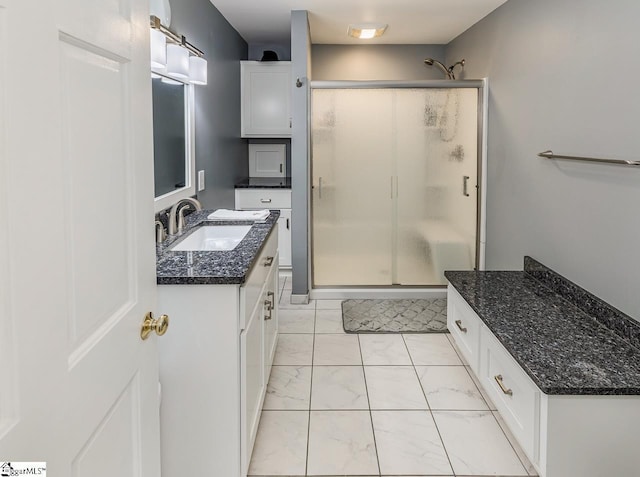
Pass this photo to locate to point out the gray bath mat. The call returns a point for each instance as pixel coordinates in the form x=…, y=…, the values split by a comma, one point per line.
x=395, y=316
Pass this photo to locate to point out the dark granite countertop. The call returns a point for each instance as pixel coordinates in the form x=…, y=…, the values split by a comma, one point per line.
x=568, y=341
x=212, y=268
x=264, y=183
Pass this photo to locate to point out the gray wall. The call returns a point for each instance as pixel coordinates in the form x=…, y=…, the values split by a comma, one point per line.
x=375, y=62
x=563, y=75
x=219, y=149
x=301, y=68
x=257, y=49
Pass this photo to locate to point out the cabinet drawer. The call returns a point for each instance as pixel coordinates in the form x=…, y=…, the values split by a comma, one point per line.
x=263, y=198
x=464, y=326
x=512, y=391
x=251, y=291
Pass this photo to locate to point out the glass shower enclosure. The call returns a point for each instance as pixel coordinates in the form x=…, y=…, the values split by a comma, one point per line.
x=394, y=184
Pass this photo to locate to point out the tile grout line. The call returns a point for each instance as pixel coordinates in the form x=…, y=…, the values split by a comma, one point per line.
x=509, y=441
x=467, y=368
x=366, y=389
x=429, y=406
x=313, y=346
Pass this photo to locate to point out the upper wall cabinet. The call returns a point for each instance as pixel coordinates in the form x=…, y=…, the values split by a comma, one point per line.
x=266, y=98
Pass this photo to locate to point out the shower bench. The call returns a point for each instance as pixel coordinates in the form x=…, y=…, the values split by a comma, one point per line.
x=561, y=366
x=448, y=248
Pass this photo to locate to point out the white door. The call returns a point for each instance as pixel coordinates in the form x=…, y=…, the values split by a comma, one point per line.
x=78, y=387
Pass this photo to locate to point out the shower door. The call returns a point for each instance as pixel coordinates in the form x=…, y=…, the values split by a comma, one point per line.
x=394, y=185
x=352, y=233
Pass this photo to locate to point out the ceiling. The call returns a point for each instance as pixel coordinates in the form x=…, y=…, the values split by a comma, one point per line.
x=419, y=22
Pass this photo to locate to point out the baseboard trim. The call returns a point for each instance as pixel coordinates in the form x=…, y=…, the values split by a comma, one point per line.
x=380, y=293
x=300, y=299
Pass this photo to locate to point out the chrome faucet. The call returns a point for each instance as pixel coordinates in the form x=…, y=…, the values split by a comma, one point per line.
x=176, y=219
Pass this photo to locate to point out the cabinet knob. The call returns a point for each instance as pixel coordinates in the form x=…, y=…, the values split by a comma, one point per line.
x=149, y=325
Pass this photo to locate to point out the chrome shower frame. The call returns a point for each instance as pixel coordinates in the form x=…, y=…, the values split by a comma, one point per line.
x=414, y=291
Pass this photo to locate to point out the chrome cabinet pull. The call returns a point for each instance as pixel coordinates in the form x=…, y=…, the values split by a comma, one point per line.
x=498, y=379
x=270, y=304
x=288, y=224
x=460, y=327
x=268, y=261
x=265, y=201
x=465, y=186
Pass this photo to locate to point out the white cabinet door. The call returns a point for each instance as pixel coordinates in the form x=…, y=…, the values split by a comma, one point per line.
x=77, y=263
x=253, y=382
x=266, y=98
x=284, y=237
x=267, y=160
x=271, y=322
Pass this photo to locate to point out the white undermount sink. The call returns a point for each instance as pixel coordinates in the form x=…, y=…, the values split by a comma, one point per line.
x=213, y=238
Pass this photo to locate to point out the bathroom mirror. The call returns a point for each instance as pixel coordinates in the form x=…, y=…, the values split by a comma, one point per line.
x=174, y=163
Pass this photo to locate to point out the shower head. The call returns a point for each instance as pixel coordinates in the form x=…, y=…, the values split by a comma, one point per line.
x=447, y=71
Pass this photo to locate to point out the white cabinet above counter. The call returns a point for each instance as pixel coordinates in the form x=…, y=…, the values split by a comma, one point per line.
x=266, y=99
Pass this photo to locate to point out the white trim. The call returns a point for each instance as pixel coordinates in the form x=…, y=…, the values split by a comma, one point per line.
x=361, y=293
x=167, y=200
x=483, y=183
x=300, y=299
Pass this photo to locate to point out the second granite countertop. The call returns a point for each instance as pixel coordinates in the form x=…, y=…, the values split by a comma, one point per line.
x=564, y=349
x=264, y=183
x=212, y=268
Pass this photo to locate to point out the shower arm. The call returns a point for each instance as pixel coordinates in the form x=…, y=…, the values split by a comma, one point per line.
x=447, y=71
x=450, y=69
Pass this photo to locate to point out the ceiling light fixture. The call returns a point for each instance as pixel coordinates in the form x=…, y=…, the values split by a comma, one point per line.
x=366, y=31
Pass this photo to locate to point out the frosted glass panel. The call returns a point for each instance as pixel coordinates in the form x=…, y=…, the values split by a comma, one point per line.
x=389, y=167
x=436, y=146
x=351, y=187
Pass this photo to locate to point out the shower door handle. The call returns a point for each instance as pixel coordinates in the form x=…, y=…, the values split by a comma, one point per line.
x=465, y=186
x=394, y=184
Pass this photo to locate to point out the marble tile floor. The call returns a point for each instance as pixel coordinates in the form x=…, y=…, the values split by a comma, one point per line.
x=374, y=405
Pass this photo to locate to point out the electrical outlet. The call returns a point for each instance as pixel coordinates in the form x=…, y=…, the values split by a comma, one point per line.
x=200, y=180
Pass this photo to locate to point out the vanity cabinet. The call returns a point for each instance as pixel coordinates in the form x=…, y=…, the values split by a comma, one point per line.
x=280, y=199
x=586, y=435
x=265, y=98
x=214, y=369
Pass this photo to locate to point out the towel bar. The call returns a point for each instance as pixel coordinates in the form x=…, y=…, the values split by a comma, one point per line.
x=551, y=155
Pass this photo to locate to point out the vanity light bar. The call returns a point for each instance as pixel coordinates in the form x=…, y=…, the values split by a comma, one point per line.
x=155, y=23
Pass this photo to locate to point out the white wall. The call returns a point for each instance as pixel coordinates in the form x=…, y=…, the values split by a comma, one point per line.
x=563, y=76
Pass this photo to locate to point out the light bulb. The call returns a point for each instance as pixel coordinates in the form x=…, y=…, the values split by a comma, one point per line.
x=158, y=46
x=197, y=70
x=177, y=61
